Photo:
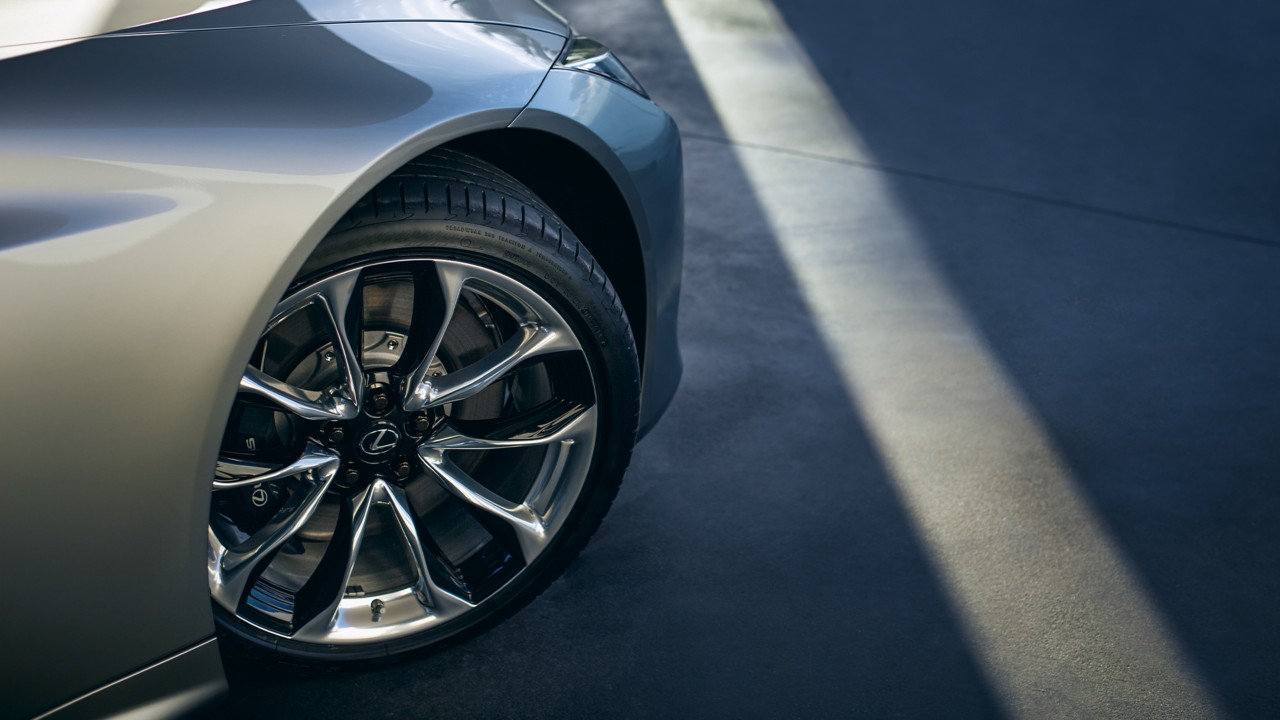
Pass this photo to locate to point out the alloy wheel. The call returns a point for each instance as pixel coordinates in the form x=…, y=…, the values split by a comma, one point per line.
x=409, y=437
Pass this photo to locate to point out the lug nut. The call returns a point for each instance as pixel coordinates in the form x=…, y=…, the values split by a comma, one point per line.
x=334, y=434
x=402, y=468
x=351, y=475
x=378, y=400
x=419, y=424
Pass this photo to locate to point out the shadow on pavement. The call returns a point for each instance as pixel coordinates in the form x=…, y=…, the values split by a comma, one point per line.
x=1148, y=351
x=757, y=562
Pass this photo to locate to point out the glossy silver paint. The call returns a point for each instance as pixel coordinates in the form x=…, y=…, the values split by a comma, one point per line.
x=639, y=145
x=529, y=14
x=28, y=26
x=158, y=191
x=33, y=25
x=176, y=686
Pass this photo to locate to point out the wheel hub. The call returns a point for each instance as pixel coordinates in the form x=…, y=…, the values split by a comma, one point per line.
x=380, y=442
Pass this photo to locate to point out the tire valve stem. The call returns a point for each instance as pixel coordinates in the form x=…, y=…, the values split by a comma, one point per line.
x=376, y=607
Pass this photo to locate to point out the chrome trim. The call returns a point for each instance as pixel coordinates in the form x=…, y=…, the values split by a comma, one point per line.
x=177, y=686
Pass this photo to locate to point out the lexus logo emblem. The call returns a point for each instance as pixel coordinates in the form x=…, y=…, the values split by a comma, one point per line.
x=259, y=496
x=380, y=439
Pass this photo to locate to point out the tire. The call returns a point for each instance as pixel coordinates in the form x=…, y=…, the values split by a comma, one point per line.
x=514, y=414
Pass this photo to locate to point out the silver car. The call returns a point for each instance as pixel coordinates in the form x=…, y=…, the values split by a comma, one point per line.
x=327, y=329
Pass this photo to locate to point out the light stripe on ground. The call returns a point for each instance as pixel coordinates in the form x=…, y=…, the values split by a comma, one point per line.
x=1057, y=619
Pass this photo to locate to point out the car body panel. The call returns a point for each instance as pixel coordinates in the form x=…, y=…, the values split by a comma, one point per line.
x=159, y=189
x=519, y=13
x=146, y=231
x=28, y=26
x=638, y=144
x=178, y=686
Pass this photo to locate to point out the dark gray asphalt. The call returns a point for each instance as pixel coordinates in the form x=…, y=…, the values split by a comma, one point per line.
x=981, y=414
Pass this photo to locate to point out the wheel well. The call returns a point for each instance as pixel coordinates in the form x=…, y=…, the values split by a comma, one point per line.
x=574, y=185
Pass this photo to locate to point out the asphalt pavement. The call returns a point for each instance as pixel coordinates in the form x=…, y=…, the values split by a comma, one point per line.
x=981, y=412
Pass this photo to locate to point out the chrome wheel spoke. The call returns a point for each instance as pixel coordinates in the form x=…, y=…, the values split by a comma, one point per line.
x=429, y=593
x=232, y=567
x=556, y=421
x=436, y=290
x=530, y=529
x=319, y=599
x=313, y=458
x=339, y=297
x=528, y=342
x=306, y=404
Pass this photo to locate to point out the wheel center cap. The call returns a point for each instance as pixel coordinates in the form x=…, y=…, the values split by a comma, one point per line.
x=380, y=439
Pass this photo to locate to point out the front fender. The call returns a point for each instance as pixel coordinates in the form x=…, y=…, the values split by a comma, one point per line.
x=638, y=145
x=157, y=194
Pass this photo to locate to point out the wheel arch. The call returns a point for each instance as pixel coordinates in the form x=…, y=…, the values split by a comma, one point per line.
x=585, y=196
x=541, y=160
